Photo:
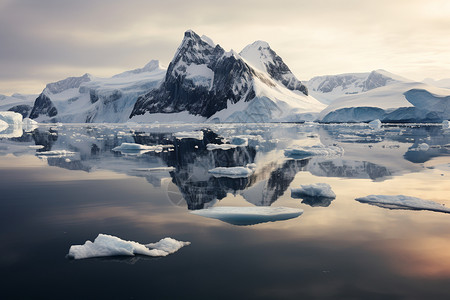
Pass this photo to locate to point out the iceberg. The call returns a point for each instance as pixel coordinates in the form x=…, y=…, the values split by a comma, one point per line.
x=134, y=148
x=198, y=135
x=403, y=202
x=156, y=169
x=11, y=118
x=375, y=124
x=316, y=150
x=423, y=147
x=446, y=124
x=316, y=190
x=249, y=215
x=211, y=147
x=108, y=245
x=233, y=172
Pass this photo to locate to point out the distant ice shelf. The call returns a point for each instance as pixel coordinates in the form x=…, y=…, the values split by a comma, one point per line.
x=107, y=245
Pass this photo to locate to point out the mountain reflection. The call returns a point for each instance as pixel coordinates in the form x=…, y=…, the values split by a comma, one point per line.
x=190, y=160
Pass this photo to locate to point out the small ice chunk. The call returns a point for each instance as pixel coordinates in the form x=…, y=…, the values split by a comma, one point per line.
x=11, y=118
x=156, y=169
x=249, y=215
x=233, y=172
x=319, y=190
x=423, y=147
x=198, y=135
x=29, y=122
x=446, y=124
x=36, y=146
x=133, y=147
x=316, y=150
x=168, y=245
x=59, y=153
x=403, y=202
x=251, y=166
x=108, y=245
x=211, y=147
x=375, y=124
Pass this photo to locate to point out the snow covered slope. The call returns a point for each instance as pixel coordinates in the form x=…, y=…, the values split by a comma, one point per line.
x=328, y=88
x=397, y=102
x=17, y=103
x=89, y=99
x=442, y=83
x=206, y=81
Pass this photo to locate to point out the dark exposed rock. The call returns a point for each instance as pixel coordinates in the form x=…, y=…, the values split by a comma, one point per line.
x=22, y=109
x=43, y=106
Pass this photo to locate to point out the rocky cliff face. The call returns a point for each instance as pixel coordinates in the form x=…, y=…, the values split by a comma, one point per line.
x=201, y=79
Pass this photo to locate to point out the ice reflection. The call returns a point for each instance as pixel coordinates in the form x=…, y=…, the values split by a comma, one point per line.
x=184, y=161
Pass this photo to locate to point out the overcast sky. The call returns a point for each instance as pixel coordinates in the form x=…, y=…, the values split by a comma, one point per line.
x=47, y=40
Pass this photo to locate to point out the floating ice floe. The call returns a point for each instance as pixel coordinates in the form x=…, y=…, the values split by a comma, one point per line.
x=136, y=148
x=446, y=124
x=423, y=147
x=317, y=190
x=220, y=147
x=57, y=153
x=108, y=245
x=156, y=169
x=375, y=124
x=249, y=215
x=316, y=150
x=403, y=202
x=233, y=172
x=198, y=135
x=36, y=146
x=29, y=124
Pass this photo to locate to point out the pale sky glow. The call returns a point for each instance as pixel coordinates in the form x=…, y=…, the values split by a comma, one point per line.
x=47, y=40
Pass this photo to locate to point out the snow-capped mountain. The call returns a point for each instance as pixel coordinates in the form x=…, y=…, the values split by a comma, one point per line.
x=88, y=99
x=18, y=103
x=442, y=83
x=328, y=88
x=399, y=102
x=210, y=83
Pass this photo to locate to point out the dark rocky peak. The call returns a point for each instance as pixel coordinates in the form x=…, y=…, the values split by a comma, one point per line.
x=374, y=80
x=194, y=50
x=68, y=83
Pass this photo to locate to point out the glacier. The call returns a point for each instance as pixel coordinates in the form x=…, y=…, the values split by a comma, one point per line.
x=400, y=101
x=88, y=99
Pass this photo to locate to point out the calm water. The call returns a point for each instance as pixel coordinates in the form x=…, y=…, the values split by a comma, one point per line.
x=339, y=249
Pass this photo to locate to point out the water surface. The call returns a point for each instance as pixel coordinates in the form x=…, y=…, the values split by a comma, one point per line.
x=337, y=249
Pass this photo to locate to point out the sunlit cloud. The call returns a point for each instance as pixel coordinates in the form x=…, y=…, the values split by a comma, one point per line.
x=314, y=38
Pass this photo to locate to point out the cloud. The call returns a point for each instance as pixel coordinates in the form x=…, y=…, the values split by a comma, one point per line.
x=54, y=37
